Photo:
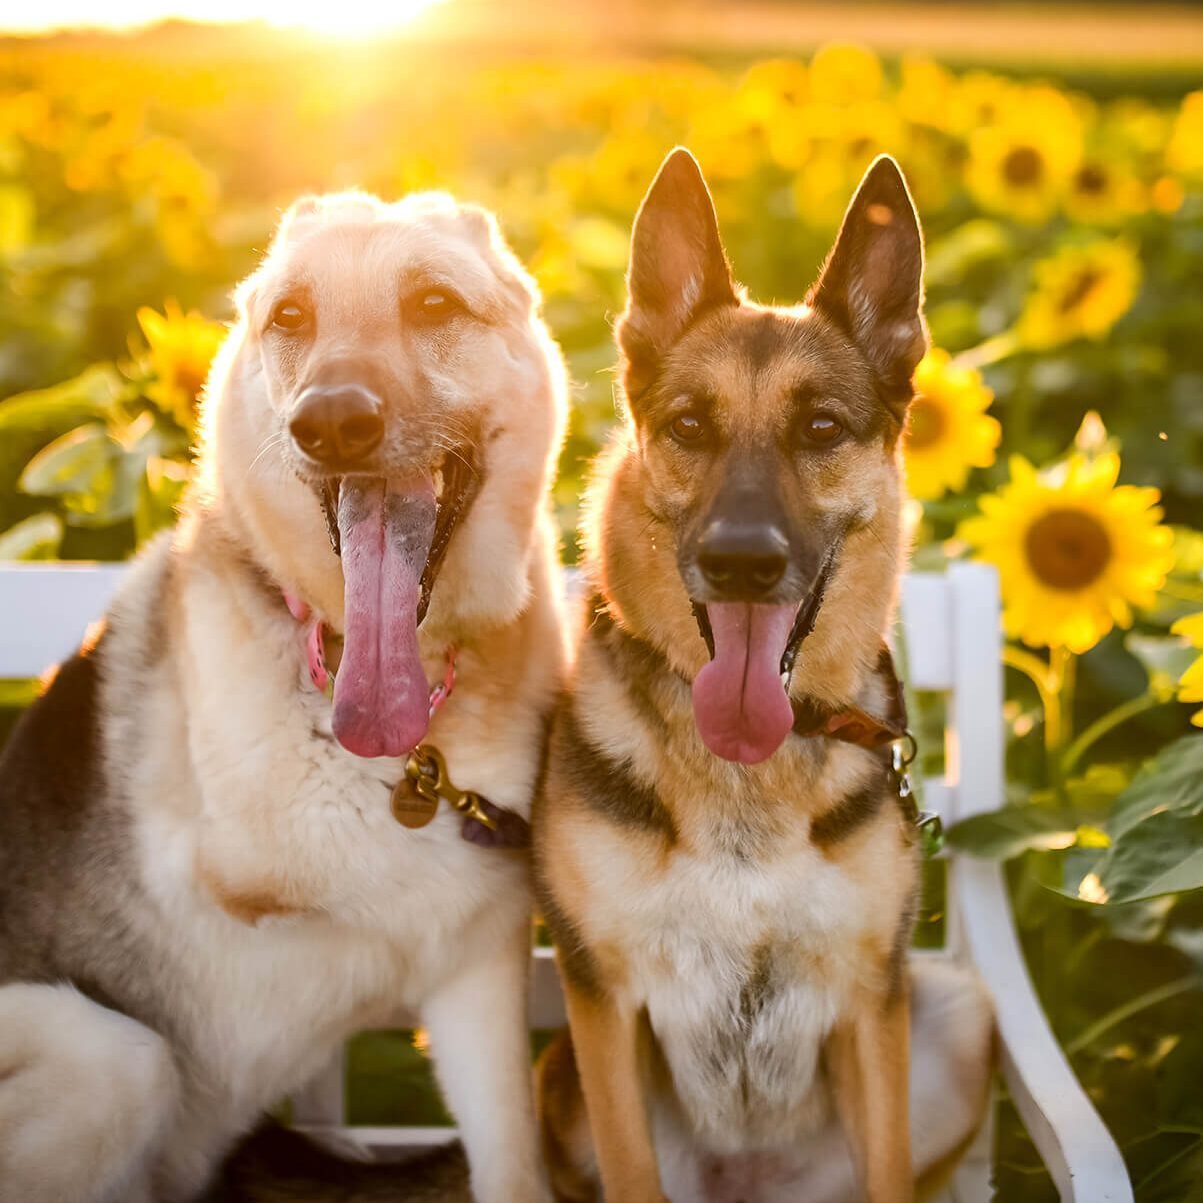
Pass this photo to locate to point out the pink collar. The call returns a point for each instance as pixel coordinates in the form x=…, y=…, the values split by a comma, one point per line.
x=323, y=677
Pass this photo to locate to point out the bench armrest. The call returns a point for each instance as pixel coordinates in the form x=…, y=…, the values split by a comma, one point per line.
x=1083, y=1159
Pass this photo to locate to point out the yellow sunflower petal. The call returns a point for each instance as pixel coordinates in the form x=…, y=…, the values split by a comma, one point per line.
x=1076, y=553
x=1191, y=628
x=948, y=432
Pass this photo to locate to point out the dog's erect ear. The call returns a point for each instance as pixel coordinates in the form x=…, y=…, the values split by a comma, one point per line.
x=872, y=283
x=678, y=268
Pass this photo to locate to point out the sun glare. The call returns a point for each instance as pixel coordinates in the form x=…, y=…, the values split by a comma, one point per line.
x=329, y=18
x=353, y=18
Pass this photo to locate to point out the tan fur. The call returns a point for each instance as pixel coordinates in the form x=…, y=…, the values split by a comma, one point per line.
x=248, y=905
x=564, y=1122
x=694, y=907
x=606, y=1043
x=868, y=1054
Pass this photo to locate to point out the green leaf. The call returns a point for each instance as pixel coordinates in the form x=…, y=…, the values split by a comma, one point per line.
x=1164, y=657
x=37, y=537
x=1156, y=830
x=94, y=476
x=1164, y=855
x=91, y=394
x=1006, y=833
x=76, y=462
x=115, y=497
x=1171, y=781
x=972, y=243
x=159, y=495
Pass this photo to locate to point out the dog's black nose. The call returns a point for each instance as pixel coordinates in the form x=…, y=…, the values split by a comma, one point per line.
x=337, y=425
x=743, y=561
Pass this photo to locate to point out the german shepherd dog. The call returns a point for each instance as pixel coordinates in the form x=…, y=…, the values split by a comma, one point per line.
x=720, y=856
x=204, y=885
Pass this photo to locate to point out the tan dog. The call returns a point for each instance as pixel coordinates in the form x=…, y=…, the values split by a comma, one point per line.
x=203, y=888
x=720, y=853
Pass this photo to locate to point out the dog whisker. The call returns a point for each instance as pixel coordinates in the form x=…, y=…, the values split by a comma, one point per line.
x=269, y=444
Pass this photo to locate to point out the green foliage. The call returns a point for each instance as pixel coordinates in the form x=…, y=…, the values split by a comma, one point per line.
x=1151, y=839
x=1156, y=829
x=37, y=537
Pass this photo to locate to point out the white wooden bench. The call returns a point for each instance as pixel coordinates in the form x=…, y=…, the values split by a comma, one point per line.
x=950, y=630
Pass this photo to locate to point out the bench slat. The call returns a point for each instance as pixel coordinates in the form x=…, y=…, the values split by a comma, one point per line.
x=45, y=610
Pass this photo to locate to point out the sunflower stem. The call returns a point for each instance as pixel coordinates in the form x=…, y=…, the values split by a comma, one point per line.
x=1106, y=723
x=1058, y=713
x=1054, y=681
x=1031, y=666
x=1151, y=998
x=988, y=352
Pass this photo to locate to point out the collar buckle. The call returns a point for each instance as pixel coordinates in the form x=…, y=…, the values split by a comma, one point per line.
x=427, y=769
x=927, y=823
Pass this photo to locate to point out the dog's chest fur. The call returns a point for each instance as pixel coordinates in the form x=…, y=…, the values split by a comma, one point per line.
x=287, y=908
x=743, y=980
x=743, y=965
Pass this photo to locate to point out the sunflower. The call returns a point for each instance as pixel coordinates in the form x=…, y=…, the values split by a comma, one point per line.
x=947, y=429
x=1185, y=150
x=977, y=99
x=845, y=74
x=1190, y=684
x=1021, y=166
x=1101, y=193
x=773, y=90
x=182, y=346
x=1074, y=551
x=925, y=92
x=1081, y=291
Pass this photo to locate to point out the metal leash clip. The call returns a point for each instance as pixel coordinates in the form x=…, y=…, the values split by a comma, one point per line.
x=427, y=770
x=902, y=755
x=903, y=752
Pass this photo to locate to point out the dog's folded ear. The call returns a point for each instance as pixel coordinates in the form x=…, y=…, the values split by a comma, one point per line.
x=872, y=283
x=678, y=268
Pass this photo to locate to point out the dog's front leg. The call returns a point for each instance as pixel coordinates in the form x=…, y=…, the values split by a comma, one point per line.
x=605, y=1037
x=868, y=1057
x=481, y=1044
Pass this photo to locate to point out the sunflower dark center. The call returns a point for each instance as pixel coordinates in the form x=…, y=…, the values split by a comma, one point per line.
x=1067, y=549
x=1091, y=180
x=1077, y=289
x=925, y=423
x=1023, y=166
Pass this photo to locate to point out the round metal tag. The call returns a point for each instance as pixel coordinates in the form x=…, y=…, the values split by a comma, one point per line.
x=409, y=808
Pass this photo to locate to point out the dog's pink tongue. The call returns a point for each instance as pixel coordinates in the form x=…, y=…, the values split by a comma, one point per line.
x=381, y=699
x=739, y=701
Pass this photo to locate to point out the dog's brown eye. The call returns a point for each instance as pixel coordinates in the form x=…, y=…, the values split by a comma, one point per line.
x=823, y=429
x=688, y=428
x=288, y=315
x=435, y=305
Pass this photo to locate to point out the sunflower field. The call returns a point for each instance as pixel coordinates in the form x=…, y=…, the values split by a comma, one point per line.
x=1057, y=432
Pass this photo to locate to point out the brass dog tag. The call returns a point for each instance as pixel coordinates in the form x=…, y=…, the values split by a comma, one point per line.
x=410, y=808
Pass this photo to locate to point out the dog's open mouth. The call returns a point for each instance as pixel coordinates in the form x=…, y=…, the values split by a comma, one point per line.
x=741, y=698
x=392, y=534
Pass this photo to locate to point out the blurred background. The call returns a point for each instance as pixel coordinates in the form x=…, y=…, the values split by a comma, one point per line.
x=1055, y=153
